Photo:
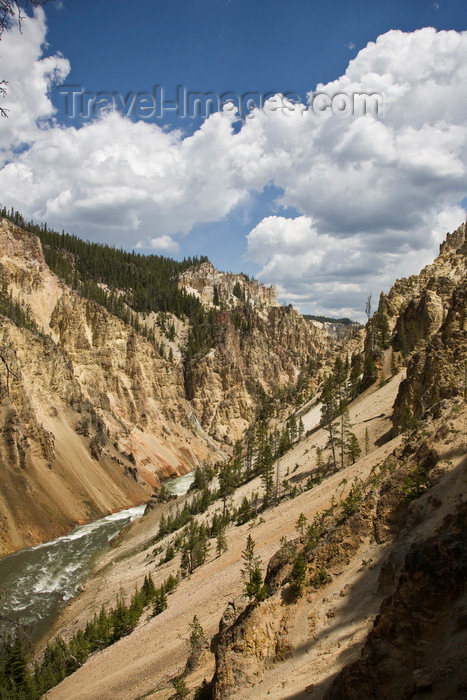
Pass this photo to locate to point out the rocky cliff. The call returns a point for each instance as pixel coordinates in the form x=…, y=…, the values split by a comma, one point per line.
x=253, y=356
x=92, y=416
x=435, y=319
x=216, y=288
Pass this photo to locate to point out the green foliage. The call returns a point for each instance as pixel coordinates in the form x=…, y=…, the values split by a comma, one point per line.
x=351, y=504
x=370, y=369
x=122, y=282
x=321, y=577
x=16, y=680
x=238, y=291
x=202, y=479
x=228, y=481
x=301, y=524
x=160, y=601
x=383, y=329
x=255, y=589
x=178, y=519
x=353, y=448
x=415, y=483
x=181, y=690
x=245, y=512
x=315, y=532
x=197, y=635
x=298, y=576
x=221, y=542
x=169, y=553
x=195, y=547
x=17, y=311
x=319, y=458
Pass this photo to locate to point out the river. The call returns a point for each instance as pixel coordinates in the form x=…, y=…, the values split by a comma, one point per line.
x=35, y=583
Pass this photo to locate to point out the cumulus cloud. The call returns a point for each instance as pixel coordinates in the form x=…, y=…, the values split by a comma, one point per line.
x=30, y=76
x=374, y=194
x=161, y=244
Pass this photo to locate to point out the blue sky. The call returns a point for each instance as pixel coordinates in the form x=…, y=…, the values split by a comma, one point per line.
x=327, y=206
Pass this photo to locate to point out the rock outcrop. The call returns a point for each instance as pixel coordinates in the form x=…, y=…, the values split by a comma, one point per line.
x=437, y=369
x=215, y=288
x=246, y=645
x=417, y=644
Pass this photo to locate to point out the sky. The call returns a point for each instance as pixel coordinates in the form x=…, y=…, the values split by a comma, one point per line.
x=330, y=160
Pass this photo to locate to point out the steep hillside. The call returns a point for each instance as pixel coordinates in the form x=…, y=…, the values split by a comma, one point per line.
x=354, y=607
x=157, y=651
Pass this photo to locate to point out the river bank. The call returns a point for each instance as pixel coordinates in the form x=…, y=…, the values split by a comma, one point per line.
x=36, y=583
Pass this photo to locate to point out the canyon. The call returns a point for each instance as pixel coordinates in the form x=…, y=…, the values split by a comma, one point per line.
x=95, y=416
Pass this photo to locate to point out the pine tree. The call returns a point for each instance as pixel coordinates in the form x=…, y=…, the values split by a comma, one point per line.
x=221, y=542
x=383, y=328
x=353, y=448
x=301, y=524
x=345, y=426
x=244, y=513
x=298, y=576
x=228, y=482
x=328, y=412
x=16, y=666
x=197, y=635
x=319, y=458
x=148, y=589
x=251, y=573
x=265, y=461
x=160, y=601
x=195, y=547
x=367, y=441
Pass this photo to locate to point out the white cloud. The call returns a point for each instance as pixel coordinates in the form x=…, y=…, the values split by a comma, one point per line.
x=161, y=244
x=29, y=79
x=373, y=194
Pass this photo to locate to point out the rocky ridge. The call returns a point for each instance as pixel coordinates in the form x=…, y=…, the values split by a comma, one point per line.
x=216, y=288
x=438, y=369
